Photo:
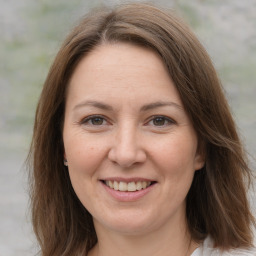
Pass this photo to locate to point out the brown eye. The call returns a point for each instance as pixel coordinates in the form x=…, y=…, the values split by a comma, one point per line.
x=159, y=121
x=94, y=121
x=97, y=121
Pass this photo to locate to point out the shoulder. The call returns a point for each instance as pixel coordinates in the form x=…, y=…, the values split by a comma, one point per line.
x=240, y=252
x=207, y=249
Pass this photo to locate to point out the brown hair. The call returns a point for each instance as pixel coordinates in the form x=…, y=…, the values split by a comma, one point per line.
x=216, y=203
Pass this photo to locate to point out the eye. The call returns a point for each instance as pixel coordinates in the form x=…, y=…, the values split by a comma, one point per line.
x=160, y=121
x=94, y=121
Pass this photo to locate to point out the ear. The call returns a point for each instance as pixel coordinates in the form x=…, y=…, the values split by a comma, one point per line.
x=65, y=161
x=200, y=156
x=199, y=161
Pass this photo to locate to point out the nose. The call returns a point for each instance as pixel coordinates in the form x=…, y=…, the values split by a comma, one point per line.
x=127, y=148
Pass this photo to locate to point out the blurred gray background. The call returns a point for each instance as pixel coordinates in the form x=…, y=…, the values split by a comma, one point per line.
x=30, y=35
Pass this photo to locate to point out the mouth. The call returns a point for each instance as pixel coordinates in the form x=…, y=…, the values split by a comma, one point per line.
x=132, y=186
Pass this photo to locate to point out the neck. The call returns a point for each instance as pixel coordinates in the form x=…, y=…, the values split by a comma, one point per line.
x=166, y=241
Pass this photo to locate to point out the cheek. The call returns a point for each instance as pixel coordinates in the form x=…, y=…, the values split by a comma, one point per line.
x=83, y=155
x=84, y=159
x=178, y=152
x=175, y=160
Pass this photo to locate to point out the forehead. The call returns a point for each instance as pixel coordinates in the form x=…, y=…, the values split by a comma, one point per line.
x=122, y=68
x=123, y=56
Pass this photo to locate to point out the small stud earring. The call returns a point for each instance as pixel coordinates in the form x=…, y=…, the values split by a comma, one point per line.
x=65, y=162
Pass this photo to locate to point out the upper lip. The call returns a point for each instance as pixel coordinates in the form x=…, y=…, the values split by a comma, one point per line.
x=127, y=180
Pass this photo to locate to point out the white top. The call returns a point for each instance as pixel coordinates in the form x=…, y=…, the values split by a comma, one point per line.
x=207, y=249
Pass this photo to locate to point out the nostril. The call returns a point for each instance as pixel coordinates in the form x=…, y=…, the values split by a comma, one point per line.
x=125, y=157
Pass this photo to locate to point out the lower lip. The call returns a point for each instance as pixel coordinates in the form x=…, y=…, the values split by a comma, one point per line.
x=128, y=196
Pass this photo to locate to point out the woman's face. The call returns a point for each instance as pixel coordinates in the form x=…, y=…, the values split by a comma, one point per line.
x=130, y=146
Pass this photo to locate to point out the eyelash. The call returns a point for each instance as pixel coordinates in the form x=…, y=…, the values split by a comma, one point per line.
x=90, y=119
x=167, y=121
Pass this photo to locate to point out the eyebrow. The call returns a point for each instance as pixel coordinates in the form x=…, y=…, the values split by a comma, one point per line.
x=144, y=108
x=95, y=104
x=160, y=104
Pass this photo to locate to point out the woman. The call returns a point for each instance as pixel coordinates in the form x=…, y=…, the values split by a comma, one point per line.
x=153, y=164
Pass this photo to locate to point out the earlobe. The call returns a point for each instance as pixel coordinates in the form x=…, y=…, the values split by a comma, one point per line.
x=200, y=156
x=199, y=161
x=65, y=161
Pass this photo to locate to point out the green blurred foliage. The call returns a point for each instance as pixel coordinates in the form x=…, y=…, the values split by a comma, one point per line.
x=27, y=55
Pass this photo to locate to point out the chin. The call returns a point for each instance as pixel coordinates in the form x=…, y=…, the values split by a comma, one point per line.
x=128, y=224
x=134, y=229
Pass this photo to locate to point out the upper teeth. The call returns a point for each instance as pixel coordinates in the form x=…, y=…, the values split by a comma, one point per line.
x=130, y=186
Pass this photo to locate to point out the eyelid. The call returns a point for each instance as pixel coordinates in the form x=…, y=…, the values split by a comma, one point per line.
x=85, y=120
x=90, y=117
x=170, y=120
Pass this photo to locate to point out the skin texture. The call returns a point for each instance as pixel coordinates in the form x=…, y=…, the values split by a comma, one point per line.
x=140, y=131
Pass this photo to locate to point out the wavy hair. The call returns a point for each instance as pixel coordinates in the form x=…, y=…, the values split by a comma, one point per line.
x=216, y=203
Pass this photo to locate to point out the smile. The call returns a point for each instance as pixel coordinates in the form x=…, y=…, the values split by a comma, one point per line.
x=127, y=186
